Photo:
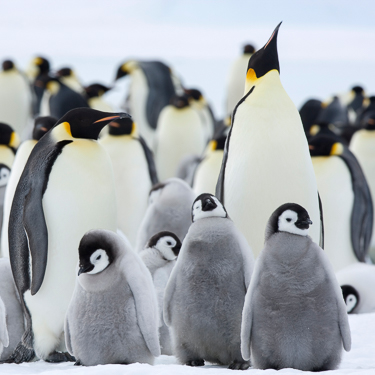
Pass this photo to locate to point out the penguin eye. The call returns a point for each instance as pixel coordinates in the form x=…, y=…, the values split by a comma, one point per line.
x=169, y=243
x=288, y=219
x=98, y=257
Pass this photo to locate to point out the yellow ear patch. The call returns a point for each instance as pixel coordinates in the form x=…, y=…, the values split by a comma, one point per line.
x=66, y=126
x=38, y=61
x=14, y=140
x=337, y=149
x=134, y=129
x=251, y=76
x=314, y=130
x=212, y=146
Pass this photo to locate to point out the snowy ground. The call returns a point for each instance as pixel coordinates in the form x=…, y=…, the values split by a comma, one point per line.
x=360, y=360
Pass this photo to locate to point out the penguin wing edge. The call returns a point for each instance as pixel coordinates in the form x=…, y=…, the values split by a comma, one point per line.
x=68, y=340
x=246, y=324
x=150, y=161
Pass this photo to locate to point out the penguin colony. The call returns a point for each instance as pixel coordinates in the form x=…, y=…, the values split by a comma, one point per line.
x=161, y=230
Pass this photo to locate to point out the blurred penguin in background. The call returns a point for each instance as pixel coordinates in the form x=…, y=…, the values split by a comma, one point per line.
x=94, y=97
x=69, y=78
x=309, y=113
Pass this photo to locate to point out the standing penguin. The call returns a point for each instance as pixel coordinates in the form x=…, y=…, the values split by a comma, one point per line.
x=41, y=126
x=206, y=291
x=266, y=158
x=169, y=209
x=66, y=189
x=294, y=314
x=180, y=132
x=346, y=198
x=113, y=314
x=134, y=171
x=94, y=96
x=159, y=256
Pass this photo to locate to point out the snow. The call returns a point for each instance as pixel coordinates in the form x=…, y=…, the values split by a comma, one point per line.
x=360, y=360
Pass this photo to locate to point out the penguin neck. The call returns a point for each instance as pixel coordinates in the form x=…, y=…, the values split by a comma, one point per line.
x=270, y=78
x=152, y=259
x=62, y=132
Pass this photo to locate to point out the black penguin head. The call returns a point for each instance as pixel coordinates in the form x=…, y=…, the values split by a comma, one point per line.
x=180, y=101
x=42, y=64
x=4, y=175
x=358, y=90
x=7, y=65
x=8, y=137
x=125, y=69
x=96, y=90
x=325, y=145
x=193, y=94
x=42, y=125
x=368, y=122
x=124, y=126
x=265, y=59
x=96, y=252
x=351, y=298
x=87, y=123
x=64, y=72
x=48, y=82
x=248, y=49
x=207, y=205
x=167, y=243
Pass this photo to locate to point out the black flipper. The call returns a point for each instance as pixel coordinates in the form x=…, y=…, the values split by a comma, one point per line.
x=321, y=241
x=161, y=88
x=150, y=161
x=362, y=213
x=220, y=182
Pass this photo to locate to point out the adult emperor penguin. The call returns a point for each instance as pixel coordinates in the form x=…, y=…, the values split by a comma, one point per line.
x=266, y=158
x=205, y=294
x=309, y=113
x=169, y=207
x=70, y=79
x=160, y=256
x=41, y=126
x=113, y=314
x=94, y=96
x=134, y=171
x=15, y=97
x=180, y=133
x=294, y=314
x=362, y=146
x=346, y=199
x=65, y=189
x=151, y=88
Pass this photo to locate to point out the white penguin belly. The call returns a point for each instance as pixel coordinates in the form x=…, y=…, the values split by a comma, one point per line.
x=268, y=164
x=80, y=196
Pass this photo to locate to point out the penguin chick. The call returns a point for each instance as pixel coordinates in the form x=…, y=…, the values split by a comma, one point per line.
x=294, y=314
x=205, y=294
x=160, y=256
x=113, y=314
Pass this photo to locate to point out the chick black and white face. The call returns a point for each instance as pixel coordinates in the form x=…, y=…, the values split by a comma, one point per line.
x=351, y=298
x=167, y=244
x=207, y=205
x=4, y=175
x=294, y=222
x=94, y=263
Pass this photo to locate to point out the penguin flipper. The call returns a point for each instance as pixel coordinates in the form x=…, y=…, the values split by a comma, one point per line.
x=321, y=240
x=150, y=161
x=4, y=337
x=68, y=340
x=168, y=295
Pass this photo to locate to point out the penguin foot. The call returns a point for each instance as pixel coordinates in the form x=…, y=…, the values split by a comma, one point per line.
x=78, y=363
x=239, y=365
x=56, y=357
x=20, y=354
x=196, y=362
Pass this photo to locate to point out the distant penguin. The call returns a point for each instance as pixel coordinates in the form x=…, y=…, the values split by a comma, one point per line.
x=236, y=78
x=151, y=88
x=205, y=293
x=134, y=172
x=4, y=337
x=69, y=78
x=179, y=133
x=334, y=112
x=294, y=314
x=309, y=113
x=357, y=283
x=366, y=111
x=357, y=101
x=169, y=209
x=160, y=256
x=363, y=147
x=266, y=158
x=94, y=96
x=14, y=313
x=346, y=200
x=325, y=129
x=113, y=314
x=41, y=126
x=66, y=188
x=15, y=98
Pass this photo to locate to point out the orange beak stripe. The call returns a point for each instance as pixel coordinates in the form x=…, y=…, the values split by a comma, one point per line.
x=107, y=118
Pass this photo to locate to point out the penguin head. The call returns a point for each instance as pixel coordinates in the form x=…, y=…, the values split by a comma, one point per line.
x=180, y=101
x=47, y=82
x=358, y=90
x=42, y=125
x=87, y=123
x=8, y=137
x=4, y=174
x=263, y=61
x=368, y=122
x=351, y=298
x=155, y=192
x=126, y=69
x=37, y=66
x=325, y=145
x=167, y=244
x=8, y=65
x=207, y=205
x=96, y=90
x=65, y=72
x=248, y=49
x=125, y=126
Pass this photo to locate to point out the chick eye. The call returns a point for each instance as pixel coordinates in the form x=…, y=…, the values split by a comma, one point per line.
x=169, y=243
x=288, y=219
x=98, y=257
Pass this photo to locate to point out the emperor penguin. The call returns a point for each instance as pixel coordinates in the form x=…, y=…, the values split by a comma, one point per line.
x=266, y=158
x=205, y=293
x=334, y=112
x=134, y=171
x=15, y=98
x=309, y=113
x=151, y=88
x=169, y=207
x=14, y=315
x=366, y=111
x=66, y=188
x=294, y=314
x=346, y=200
x=362, y=146
x=41, y=126
x=113, y=314
x=4, y=337
x=160, y=256
x=179, y=133
x=94, y=96
x=236, y=78
x=70, y=79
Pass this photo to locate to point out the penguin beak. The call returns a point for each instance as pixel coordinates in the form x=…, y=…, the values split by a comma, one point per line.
x=303, y=224
x=208, y=205
x=111, y=118
x=176, y=249
x=84, y=269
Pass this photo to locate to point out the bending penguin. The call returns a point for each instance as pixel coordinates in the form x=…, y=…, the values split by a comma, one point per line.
x=205, y=294
x=115, y=290
x=266, y=158
x=346, y=198
x=66, y=189
x=294, y=314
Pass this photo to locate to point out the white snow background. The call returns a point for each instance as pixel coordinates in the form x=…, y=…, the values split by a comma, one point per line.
x=325, y=47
